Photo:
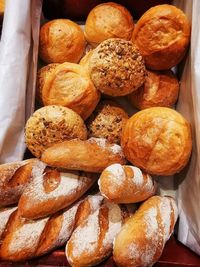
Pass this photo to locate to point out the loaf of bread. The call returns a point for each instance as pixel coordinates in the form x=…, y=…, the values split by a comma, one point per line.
x=162, y=35
x=108, y=20
x=158, y=140
x=52, y=190
x=142, y=238
x=126, y=184
x=92, y=240
x=14, y=177
x=24, y=239
x=68, y=85
x=92, y=155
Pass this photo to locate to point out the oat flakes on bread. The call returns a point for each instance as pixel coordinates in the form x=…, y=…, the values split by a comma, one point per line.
x=116, y=67
x=107, y=121
x=50, y=125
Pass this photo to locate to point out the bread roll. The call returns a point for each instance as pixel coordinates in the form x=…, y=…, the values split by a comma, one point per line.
x=14, y=177
x=91, y=242
x=142, y=238
x=92, y=155
x=5, y=214
x=52, y=190
x=84, y=62
x=107, y=121
x=159, y=90
x=157, y=140
x=50, y=125
x=125, y=184
x=162, y=35
x=68, y=85
x=61, y=40
x=108, y=20
x=116, y=67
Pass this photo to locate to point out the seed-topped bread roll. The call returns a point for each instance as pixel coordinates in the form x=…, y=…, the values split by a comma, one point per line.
x=50, y=125
x=143, y=236
x=157, y=140
x=107, y=121
x=162, y=35
x=61, y=40
x=116, y=67
x=92, y=155
x=68, y=85
x=108, y=20
x=159, y=90
x=125, y=184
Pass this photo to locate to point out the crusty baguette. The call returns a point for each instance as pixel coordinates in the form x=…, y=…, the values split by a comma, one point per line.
x=14, y=177
x=52, y=190
x=126, y=184
x=142, y=238
x=91, y=241
x=92, y=155
x=25, y=239
x=5, y=214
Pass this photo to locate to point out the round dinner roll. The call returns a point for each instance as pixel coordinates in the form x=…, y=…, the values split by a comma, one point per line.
x=68, y=85
x=160, y=89
x=125, y=184
x=108, y=20
x=50, y=125
x=162, y=35
x=107, y=121
x=157, y=140
x=116, y=67
x=61, y=40
x=84, y=62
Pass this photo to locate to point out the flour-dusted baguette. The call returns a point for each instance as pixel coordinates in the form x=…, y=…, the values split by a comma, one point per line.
x=142, y=238
x=126, y=184
x=5, y=214
x=92, y=155
x=25, y=239
x=91, y=241
x=14, y=177
x=52, y=190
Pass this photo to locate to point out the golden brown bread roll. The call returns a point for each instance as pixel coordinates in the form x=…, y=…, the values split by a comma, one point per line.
x=157, y=140
x=116, y=67
x=51, y=190
x=50, y=125
x=68, y=85
x=159, y=90
x=162, y=35
x=91, y=241
x=143, y=236
x=84, y=62
x=14, y=177
x=92, y=155
x=107, y=121
x=125, y=184
x=61, y=40
x=108, y=20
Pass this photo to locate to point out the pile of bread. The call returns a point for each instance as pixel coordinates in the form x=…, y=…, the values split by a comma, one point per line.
x=90, y=185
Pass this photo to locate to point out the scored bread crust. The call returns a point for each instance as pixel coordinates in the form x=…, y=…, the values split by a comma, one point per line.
x=143, y=236
x=157, y=140
x=126, y=184
x=116, y=67
x=52, y=124
x=68, y=85
x=92, y=155
x=61, y=40
x=52, y=190
x=161, y=89
x=108, y=20
x=162, y=35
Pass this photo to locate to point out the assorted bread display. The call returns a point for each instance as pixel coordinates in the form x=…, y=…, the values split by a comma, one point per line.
x=91, y=186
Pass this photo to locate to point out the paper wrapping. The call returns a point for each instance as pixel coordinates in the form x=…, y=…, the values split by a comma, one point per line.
x=18, y=64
